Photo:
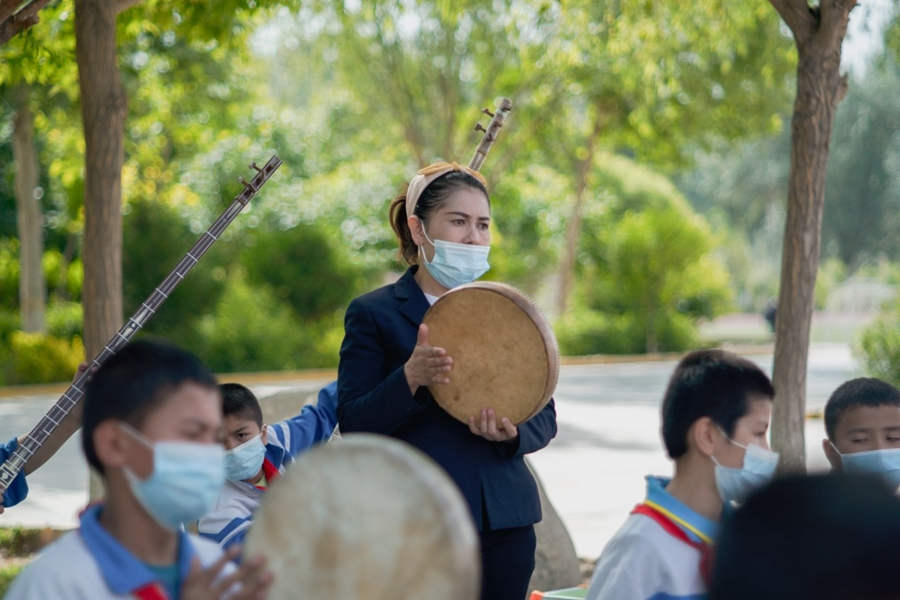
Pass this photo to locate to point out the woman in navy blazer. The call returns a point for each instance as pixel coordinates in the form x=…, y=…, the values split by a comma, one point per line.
x=386, y=365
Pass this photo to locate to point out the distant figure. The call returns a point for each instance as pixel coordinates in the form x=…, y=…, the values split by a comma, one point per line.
x=828, y=537
x=715, y=416
x=862, y=421
x=769, y=314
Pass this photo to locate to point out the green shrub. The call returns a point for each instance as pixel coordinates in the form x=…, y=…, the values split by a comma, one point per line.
x=7, y=574
x=65, y=319
x=42, y=358
x=250, y=330
x=591, y=332
x=880, y=343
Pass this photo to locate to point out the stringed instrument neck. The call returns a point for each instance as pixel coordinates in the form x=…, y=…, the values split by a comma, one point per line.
x=75, y=392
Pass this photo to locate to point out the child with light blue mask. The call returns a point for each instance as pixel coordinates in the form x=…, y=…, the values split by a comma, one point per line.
x=256, y=454
x=151, y=428
x=715, y=419
x=862, y=421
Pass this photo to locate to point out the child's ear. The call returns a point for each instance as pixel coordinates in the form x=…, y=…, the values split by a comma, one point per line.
x=702, y=435
x=832, y=455
x=262, y=436
x=110, y=444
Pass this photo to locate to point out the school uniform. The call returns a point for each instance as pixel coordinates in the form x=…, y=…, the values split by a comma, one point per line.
x=662, y=552
x=374, y=396
x=229, y=522
x=90, y=564
x=18, y=489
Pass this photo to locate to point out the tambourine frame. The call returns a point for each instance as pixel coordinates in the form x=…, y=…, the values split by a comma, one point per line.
x=540, y=380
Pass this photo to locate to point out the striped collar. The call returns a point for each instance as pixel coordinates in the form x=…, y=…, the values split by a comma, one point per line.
x=697, y=527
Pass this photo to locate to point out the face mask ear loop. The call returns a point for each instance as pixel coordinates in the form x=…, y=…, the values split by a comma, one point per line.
x=838, y=452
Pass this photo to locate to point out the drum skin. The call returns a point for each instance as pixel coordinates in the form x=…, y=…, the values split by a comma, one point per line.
x=366, y=518
x=504, y=352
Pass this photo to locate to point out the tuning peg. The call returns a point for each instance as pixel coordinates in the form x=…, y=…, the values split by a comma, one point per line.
x=256, y=168
x=487, y=112
x=479, y=127
x=243, y=182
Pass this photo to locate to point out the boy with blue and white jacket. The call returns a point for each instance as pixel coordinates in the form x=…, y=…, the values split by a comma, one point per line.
x=257, y=454
x=715, y=416
x=151, y=420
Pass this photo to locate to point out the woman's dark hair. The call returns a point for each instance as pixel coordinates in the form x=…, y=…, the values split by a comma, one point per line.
x=431, y=199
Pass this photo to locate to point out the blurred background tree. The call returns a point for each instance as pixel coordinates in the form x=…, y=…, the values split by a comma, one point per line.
x=646, y=156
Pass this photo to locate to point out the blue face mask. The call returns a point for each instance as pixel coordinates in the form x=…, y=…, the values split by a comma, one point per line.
x=456, y=264
x=885, y=463
x=186, y=481
x=734, y=485
x=244, y=461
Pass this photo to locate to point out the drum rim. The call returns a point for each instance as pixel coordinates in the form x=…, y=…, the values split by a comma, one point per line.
x=530, y=308
x=449, y=501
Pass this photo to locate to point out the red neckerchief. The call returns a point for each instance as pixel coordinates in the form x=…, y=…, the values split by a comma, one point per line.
x=670, y=527
x=270, y=472
x=151, y=591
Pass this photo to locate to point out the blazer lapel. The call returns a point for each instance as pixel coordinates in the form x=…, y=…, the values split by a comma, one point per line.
x=413, y=304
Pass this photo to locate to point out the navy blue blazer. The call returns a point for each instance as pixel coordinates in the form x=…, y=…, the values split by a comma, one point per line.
x=373, y=396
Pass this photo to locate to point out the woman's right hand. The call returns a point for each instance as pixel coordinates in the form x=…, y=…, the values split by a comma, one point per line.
x=428, y=364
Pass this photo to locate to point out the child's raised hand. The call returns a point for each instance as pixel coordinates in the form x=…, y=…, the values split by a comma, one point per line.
x=250, y=581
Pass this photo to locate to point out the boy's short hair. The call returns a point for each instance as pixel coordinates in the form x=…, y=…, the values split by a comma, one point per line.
x=129, y=385
x=828, y=536
x=863, y=391
x=239, y=401
x=709, y=383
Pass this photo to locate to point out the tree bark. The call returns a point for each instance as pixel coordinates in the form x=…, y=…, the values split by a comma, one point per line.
x=29, y=219
x=573, y=227
x=820, y=87
x=103, y=108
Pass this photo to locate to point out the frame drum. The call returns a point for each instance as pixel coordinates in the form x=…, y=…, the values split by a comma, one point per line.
x=366, y=518
x=504, y=352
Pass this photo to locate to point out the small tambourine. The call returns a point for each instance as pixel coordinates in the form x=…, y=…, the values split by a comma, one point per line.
x=504, y=352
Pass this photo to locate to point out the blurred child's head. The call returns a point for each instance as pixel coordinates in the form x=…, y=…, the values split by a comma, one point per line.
x=828, y=537
x=152, y=422
x=716, y=406
x=245, y=434
x=862, y=421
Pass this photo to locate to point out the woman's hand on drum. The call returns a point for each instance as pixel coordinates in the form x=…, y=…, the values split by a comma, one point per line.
x=486, y=426
x=428, y=364
x=250, y=581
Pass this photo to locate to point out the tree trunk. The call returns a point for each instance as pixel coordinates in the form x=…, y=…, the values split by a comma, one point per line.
x=103, y=108
x=573, y=227
x=820, y=88
x=29, y=219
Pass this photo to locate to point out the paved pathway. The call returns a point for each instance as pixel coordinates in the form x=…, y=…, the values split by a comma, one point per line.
x=593, y=471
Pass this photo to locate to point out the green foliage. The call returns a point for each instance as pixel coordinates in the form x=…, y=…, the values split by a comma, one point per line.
x=65, y=319
x=24, y=541
x=303, y=269
x=250, y=329
x=9, y=271
x=880, y=344
x=41, y=358
x=647, y=272
x=155, y=238
x=7, y=574
x=862, y=198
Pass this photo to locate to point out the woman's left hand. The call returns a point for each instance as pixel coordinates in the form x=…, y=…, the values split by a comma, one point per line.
x=488, y=428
